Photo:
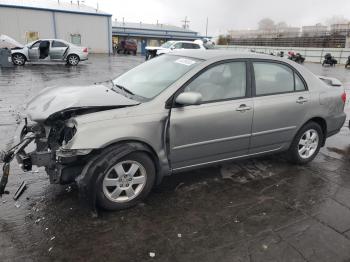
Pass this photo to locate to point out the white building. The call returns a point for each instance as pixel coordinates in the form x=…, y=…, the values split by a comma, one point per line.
x=29, y=20
x=315, y=30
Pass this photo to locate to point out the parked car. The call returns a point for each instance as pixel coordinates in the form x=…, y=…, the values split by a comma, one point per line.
x=153, y=51
x=180, y=111
x=53, y=50
x=127, y=47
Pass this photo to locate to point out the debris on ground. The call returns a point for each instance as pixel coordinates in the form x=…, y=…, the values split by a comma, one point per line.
x=179, y=235
x=68, y=189
x=20, y=190
x=236, y=220
x=52, y=238
x=179, y=185
x=18, y=205
x=50, y=249
x=152, y=254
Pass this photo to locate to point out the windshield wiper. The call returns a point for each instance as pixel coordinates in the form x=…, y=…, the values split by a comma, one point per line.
x=122, y=88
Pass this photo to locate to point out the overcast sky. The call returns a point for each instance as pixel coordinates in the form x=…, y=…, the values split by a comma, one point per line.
x=224, y=14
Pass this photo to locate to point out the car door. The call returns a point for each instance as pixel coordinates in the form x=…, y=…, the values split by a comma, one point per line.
x=33, y=51
x=178, y=45
x=220, y=127
x=58, y=50
x=281, y=101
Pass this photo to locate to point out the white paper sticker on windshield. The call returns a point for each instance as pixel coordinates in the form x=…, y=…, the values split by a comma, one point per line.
x=185, y=61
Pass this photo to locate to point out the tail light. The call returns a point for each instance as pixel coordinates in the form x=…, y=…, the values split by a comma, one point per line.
x=343, y=97
x=85, y=50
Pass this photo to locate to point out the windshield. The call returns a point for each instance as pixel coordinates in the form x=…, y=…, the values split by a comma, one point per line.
x=167, y=44
x=151, y=78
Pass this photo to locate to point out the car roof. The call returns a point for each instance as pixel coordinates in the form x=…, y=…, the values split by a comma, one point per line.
x=221, y=53
x=191, y=42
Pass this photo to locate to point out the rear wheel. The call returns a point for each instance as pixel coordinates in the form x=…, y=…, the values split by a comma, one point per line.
x=18, y=59
x=73, y=60
x=125, y=181
x=306, y=144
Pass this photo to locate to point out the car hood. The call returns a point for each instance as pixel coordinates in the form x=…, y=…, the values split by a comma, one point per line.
x=155, y=48
x=74, y=98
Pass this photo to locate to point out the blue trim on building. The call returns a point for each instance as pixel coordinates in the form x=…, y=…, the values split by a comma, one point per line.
x=157, y=36
x=53, y=10
x=149, y=29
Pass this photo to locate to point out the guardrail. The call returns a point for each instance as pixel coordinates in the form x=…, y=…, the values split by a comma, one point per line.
x=311, y=54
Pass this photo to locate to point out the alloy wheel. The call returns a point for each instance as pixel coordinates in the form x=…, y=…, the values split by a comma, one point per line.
x=308, y=144
x=18, y=59
x=124, y=181
x=73, y=60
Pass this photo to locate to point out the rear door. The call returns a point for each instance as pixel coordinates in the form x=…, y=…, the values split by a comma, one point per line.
x=280, y=104
x=220, y=127
x=58, y=50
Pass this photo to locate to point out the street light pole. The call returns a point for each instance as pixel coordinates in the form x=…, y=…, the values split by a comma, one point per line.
x=206, y=28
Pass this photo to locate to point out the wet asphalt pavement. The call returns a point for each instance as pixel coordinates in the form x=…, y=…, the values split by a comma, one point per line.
x=257, y=210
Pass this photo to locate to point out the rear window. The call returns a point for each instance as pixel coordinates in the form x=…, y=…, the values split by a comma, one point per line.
x=58, y=44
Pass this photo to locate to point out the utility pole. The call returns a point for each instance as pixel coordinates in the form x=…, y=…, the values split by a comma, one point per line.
x=186, y=23
x=206, y=28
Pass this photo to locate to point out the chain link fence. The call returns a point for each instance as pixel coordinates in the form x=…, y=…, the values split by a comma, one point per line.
x=315, y=55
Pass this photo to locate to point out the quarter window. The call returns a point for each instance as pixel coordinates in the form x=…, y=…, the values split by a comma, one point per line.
x=221, y=82
x=299, y=85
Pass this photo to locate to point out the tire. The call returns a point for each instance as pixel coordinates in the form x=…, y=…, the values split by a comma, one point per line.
x=116, y=191
x=18, y=59
x=304, y=147
x=73, y=60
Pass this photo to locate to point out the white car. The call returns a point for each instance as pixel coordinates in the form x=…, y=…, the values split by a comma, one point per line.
x=153, y=51
x=49, y=50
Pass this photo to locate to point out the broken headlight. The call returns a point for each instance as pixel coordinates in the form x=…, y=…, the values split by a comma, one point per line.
x=68, y=131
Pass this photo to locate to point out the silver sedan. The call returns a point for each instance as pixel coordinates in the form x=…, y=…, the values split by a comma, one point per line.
x=49, y=50
x=177, y=112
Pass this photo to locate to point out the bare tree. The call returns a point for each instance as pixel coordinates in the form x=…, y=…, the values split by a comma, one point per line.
x=266, y=24
x=281, y=25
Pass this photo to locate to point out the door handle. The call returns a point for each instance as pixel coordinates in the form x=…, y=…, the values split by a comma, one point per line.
x=243, y=108
x=302, y=100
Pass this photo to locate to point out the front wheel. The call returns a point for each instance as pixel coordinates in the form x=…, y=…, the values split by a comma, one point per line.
x=18, y=59
x=306, y=144
x=73, y=60
x=125, y=181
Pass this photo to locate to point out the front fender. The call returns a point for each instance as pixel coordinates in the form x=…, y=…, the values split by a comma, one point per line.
x=20, y=51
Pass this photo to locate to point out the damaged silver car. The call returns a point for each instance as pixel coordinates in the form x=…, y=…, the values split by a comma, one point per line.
x=180, y=111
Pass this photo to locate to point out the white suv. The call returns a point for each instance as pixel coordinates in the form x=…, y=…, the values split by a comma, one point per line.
x=152, y=51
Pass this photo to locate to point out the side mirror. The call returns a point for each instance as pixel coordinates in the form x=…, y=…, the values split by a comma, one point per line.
x=189, y=98
x=172, y=48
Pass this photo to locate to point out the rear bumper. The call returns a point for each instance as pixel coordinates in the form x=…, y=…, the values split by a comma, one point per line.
x=335, y=123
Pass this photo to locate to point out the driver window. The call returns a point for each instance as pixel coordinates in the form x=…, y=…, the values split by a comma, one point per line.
x=178, y=46
x=221, y=82
x=36, y=45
